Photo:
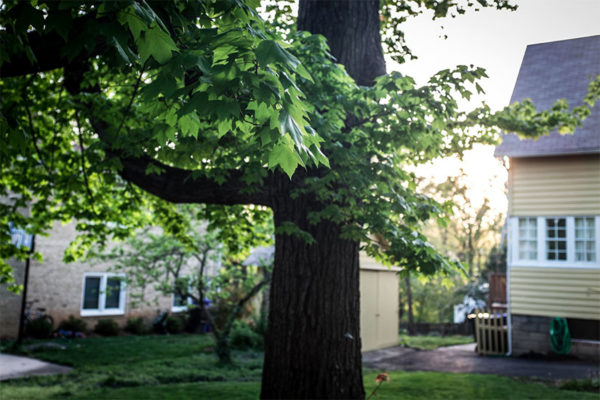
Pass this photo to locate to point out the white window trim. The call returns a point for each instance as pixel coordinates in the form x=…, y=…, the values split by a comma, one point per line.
x=541, y=260
x=101, y=310
x=175, y=308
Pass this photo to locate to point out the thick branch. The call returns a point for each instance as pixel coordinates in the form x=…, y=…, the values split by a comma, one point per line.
x=48, y=51
x=183, y=186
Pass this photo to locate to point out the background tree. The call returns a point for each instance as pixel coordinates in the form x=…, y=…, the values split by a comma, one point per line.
x=194, y=265
x=200, y=102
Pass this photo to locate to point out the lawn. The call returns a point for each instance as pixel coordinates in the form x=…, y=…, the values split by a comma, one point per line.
x=432, y=342
x=183, y=367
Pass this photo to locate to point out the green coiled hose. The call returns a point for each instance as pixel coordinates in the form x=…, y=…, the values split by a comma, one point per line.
x=560, y=337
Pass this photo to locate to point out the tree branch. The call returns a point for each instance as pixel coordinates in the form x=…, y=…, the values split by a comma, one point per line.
x=48, y=50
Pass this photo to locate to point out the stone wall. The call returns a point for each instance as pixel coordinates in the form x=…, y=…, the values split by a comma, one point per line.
x=531, y=335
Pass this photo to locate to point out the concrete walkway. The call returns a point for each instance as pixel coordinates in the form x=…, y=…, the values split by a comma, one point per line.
x=464, y=359
x=12, y=367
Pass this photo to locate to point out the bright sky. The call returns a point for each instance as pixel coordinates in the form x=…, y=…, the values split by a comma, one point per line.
x=495, y=40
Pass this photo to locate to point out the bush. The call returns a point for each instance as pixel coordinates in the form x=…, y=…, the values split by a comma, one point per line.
x=136, y=326
x=41, y=327
x=73, y=324
x=174, y=324
x=107, y=327
x=244, y=337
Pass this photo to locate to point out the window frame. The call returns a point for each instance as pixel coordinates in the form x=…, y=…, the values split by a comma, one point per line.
x=102, y=310
x=177, y=309
x=542, y=238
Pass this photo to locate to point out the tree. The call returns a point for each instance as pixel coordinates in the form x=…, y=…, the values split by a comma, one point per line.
x=182, y=264
x=202, y=102
x=473, y=229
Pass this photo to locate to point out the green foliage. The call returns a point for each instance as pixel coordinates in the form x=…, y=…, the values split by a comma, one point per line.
x=137, y=326
x=174, y=324
x=73, y=324
x=40, y=327
x=244, y=337
x=582, y=385
x=433, y=298
x=107, y=327
x=432, y=342
x=214, y=90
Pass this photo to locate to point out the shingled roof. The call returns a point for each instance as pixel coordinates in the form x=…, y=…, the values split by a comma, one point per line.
x=552, y=71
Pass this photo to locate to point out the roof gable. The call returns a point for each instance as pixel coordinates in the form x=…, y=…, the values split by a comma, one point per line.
x=552, y=71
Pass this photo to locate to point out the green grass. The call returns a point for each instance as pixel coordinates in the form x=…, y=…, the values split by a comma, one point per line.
x=432, y=342
x=183, y=367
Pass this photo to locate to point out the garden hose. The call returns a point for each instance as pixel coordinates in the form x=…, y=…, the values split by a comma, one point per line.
x=560, y=338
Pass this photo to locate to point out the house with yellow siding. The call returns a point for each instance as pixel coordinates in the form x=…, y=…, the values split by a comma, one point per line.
x=553, y=216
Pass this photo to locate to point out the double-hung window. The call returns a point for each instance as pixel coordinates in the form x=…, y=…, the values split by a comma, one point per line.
x=562, y=240
x=528, y=238
x=103, y=294
x=585, y=239
x=556, y=239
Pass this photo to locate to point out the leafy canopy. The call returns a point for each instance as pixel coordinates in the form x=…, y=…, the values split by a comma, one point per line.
x=92, y=90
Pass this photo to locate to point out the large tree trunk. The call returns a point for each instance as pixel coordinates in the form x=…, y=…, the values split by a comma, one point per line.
x=313, y=340
x=312, y=348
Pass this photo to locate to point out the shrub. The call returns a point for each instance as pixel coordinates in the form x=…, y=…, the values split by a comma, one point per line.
x=174, y=324
x=73, y=324
x=40, y=327
x=136, y=326
x=243, y=337
x=107, y=327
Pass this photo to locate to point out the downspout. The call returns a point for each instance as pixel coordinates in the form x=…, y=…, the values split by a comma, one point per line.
x=509, y=236
x=508, y=314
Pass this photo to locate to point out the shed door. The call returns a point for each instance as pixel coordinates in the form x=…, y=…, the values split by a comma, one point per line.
x=379, y=309
x=368, y=309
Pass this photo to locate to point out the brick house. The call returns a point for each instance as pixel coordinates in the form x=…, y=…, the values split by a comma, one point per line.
x=82, y=289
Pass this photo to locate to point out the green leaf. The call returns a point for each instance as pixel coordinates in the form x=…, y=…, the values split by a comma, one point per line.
x=189, y=125
x=269, y=51
x=283, y=155
x=156, y=43
x=288, y=125
x=135, y=24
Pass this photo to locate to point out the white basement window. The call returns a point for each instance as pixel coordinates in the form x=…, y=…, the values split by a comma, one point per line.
x=556, y=241
x=103, y=294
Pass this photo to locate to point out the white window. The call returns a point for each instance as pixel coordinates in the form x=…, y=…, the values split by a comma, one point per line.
x=555, y=241
x=527, y=238
x=585, y=239
x=103, y=294
x=180, y=303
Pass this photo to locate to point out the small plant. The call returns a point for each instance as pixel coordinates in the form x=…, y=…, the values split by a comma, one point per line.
x=174, y=324
x=582, y=385
x=107, y=327
x=244, y=337
x=136, y=326
x=73, y=324
x=40, y=327
x=383, y=377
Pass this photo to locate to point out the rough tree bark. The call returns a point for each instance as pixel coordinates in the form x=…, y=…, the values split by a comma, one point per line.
x=312, y=348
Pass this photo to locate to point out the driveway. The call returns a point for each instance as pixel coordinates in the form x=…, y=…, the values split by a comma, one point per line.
x=464, y=359
x=18, y=367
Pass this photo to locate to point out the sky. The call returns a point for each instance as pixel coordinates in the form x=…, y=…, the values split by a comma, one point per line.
x=495, y=40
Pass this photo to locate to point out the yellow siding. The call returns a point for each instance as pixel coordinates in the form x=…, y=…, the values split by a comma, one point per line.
x=545, y=186
x=555, y=292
